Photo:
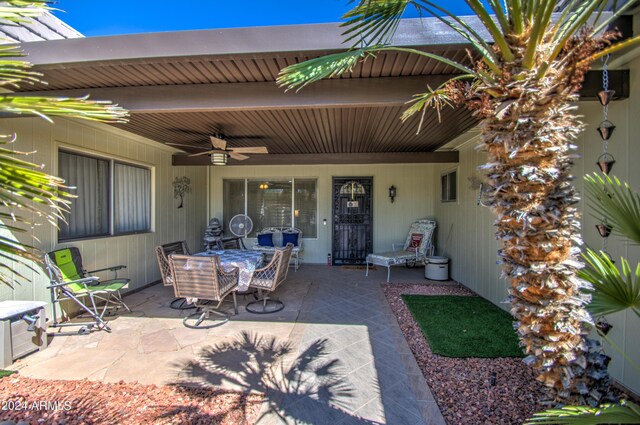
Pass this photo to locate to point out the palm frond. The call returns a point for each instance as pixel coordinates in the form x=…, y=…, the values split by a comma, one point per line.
x=500, y=14
x=373, y=21
x=611, y=49
x=18, y=11
x=14, y=72
x=82, y=107
x=301, y=74
x=464, y=30
x=614, y=201
x=609, y=20
x=25, y=191
x=494, y=30
x=541, y=21
x=613, y=290
x=436, y=99
x=625, y=412
x=570, y=27
x=515, y=15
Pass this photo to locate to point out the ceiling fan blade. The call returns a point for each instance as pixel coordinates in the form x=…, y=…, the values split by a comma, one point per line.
x=203, y=153
x=218, y=143
x=254, y=137
x=238, y=156
x=255, y=149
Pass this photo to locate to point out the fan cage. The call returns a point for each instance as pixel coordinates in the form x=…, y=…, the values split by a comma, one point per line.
x=241, y=225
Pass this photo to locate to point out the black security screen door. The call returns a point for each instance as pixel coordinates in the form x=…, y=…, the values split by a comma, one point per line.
x=352, y=219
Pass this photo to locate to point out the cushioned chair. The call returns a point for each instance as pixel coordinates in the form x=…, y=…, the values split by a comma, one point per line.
x=203, y=281
x=70, y=281
x=417, y=246
x=267, y=279
x=162, y=254
x=271, y=238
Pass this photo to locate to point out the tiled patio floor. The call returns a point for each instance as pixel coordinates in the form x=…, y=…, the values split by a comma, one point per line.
x=334, y=355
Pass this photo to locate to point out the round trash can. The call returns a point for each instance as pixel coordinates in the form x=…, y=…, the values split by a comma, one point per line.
x=437, y=268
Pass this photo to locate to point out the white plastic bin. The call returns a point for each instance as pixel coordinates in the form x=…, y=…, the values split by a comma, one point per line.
x=437, y=268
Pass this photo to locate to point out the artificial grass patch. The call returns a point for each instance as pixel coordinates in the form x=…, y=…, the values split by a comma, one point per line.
x=4, y=373
x=458, y=326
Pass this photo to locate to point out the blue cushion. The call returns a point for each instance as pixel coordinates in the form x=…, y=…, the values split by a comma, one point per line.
x=265, y=239
x=290, y=238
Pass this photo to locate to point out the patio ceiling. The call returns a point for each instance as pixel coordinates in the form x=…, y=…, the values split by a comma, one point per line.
x=182, y=87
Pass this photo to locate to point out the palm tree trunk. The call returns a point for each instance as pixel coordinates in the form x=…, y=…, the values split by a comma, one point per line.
x=527, y=137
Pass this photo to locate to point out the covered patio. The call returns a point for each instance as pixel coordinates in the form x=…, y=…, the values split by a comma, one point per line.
x=183, y=88
x=336, y=330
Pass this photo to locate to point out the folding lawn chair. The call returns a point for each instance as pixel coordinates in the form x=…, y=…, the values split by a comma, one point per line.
x=70, y=281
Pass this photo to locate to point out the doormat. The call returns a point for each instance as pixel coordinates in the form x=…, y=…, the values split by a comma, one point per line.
x=358, y=267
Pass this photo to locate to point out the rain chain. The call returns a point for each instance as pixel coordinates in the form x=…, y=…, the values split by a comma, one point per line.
x=605, y=163
x=605, y=130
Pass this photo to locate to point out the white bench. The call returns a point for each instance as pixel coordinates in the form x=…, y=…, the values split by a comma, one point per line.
x=279, y=237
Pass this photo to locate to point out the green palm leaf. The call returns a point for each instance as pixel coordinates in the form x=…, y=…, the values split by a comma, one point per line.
x=301, y=74
x=374, y=22
x=614, y=201
x=613, y=290
x=45, y=107
x=17, y=11
x=625, y=412
x=28, y=195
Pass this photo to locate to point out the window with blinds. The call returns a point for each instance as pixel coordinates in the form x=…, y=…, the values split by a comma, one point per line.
x=449, y=186
x=113, y=198
x=273, y=203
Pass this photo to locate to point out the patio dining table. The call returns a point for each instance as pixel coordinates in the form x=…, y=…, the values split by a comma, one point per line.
x=246, y=261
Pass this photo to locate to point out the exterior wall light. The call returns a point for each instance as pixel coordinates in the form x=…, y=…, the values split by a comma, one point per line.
x=392, y=193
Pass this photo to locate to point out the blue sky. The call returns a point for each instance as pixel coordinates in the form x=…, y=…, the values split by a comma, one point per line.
x=136, y=16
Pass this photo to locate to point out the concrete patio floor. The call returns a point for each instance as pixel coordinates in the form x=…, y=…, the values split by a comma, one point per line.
x=334, y=355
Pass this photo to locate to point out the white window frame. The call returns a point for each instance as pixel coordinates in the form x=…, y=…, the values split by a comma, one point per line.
x=446, y=175
x=112, y=161
x=293, y=187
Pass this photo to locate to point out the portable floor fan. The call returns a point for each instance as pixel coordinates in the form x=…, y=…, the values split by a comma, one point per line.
x=241, y=225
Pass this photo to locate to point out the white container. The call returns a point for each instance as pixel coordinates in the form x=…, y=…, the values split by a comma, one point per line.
x=437, y=268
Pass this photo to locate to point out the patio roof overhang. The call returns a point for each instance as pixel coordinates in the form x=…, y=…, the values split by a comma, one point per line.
x=183, y=86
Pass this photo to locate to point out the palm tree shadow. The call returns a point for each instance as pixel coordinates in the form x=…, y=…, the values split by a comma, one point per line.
x=308, y=388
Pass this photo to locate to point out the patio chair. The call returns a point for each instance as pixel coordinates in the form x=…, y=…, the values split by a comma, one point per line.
x=416, y=248
x=70, y=281
x=267, y=279
x=203, y=281
x=271, y=238
x=162, y=254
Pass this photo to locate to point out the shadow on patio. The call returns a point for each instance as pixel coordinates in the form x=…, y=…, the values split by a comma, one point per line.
x=335, y=354
x=307, y=388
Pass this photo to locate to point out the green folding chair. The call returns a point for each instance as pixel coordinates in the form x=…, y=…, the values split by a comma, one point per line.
x=70, y=281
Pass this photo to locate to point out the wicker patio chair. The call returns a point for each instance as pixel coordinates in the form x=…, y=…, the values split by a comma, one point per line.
x=203, y=280
x=162, y=254
x=267, y=279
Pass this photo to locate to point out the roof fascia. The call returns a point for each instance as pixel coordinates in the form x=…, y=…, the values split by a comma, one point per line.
x=232, y=42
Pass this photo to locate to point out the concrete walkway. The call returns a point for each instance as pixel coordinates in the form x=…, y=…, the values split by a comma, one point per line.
x=334, y=355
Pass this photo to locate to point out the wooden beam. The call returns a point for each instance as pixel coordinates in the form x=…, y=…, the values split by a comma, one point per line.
x=338, y=158
x=336, y=93
x=387, y=91
x=619, y=81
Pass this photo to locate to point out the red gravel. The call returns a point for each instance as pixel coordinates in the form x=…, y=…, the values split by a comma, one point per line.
x=86, y=402
x=462, y=387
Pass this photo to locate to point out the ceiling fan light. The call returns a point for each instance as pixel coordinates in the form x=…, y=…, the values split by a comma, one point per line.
x=219, y=158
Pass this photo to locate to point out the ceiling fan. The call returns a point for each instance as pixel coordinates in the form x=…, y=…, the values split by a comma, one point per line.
x=220, y=152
